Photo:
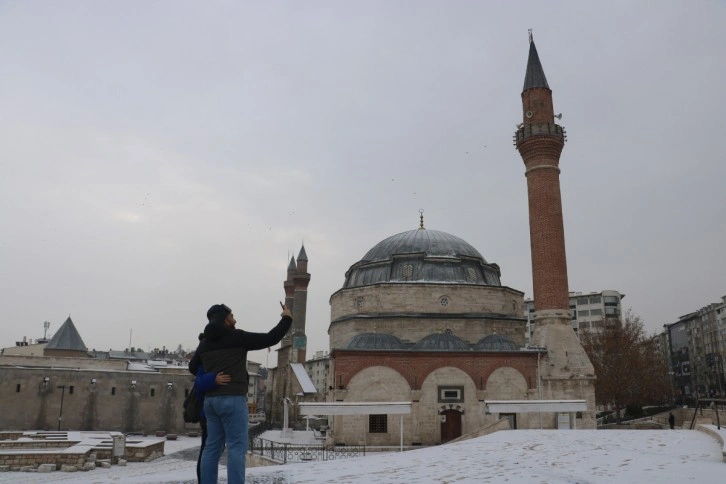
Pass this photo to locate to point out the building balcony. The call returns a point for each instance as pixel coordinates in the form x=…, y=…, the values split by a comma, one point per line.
x=538, y=129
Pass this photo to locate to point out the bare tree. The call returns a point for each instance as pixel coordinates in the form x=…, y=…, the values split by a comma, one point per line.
x=630, y=369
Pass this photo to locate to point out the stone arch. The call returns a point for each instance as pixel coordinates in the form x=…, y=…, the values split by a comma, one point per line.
x=445, y=407
x=378, y=384
x=431, y=408
x=374, y=384
x=506, y=383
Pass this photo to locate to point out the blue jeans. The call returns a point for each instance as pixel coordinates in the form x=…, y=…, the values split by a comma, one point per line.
x=226, y=422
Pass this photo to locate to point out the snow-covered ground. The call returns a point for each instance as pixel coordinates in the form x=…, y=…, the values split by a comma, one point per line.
x=520, y=456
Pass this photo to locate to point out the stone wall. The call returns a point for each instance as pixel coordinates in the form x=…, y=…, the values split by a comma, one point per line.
x=112, y=403
x=30, y=459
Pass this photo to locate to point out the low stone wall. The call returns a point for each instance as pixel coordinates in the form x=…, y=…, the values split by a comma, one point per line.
x=16, y=459
x=10, y=435
x=143, y=451
x=37, y=444
x=33, y=450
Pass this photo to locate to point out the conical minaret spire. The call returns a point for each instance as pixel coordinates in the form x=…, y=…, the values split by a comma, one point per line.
x=535, y=76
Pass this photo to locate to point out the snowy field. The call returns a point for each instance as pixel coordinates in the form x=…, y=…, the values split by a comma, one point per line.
x=520, y=456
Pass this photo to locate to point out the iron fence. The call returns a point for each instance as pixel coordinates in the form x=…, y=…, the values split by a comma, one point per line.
x=303, y=453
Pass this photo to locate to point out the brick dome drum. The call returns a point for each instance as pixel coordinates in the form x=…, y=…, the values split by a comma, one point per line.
x=423, y=256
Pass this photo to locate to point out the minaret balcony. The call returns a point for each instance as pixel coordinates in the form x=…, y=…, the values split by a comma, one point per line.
x=539, y=129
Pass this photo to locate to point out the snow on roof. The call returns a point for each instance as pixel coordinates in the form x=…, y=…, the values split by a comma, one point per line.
x=354, y=408
x=303, y=378
x=139, y=367
x=525, y=406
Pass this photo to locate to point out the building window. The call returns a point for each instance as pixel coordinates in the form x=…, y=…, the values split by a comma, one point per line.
x=611, y=300
x=451, y=394
x=378, y=424
x=113, y=390
x=583, y=313
x=151, y=392
x=70, y=390
x=582, y=300
x=595, y=312
x=471, y=274
x=594, y=299
x=360, y=302
x=17, y=388
x=444, y=301
x=406, y=271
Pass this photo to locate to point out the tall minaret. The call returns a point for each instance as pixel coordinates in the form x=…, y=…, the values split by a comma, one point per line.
x=540, y=141
x=566, y=371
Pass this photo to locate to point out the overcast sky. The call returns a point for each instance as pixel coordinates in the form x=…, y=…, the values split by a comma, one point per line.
x=160, y=157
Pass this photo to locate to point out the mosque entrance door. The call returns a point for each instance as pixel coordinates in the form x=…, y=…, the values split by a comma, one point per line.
x=450, y=425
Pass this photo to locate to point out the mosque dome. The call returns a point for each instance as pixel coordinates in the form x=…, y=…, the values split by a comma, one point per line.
x=495, y=342
x=375, y=341
x=441, y=341
x=423, y=256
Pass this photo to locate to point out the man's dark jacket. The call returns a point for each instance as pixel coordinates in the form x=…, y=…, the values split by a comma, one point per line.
x=225, y=349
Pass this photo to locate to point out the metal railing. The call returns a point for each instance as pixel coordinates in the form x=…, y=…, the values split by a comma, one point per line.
x=285, y=453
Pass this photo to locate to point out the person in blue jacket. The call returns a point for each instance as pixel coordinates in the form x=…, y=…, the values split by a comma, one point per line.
x=203, y=382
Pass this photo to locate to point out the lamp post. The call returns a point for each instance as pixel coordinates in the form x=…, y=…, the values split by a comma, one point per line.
x=63, y=394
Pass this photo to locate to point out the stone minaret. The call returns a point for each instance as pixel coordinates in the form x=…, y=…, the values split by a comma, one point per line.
x=566, y=371
x=293, y=345
x=301, y=279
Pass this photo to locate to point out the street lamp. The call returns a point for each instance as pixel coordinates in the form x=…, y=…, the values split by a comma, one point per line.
x=63, y=394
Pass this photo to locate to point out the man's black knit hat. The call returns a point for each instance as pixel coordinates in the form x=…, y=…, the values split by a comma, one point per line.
x=218, y=311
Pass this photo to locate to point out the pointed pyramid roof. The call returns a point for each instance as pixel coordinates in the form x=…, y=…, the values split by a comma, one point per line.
x=535, y=76
x=292, y=266
x=302, y=255
x=67, y=338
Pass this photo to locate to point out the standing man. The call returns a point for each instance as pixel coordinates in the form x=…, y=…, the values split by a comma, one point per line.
x=671, y=420
x=224, y=349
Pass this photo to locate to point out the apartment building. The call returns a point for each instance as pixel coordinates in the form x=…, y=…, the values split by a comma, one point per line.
x=317, y=369
x=588, y=311
x=696, y=348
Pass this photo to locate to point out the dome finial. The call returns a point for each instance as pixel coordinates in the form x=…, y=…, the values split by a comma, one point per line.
x=531, y=37
x=421, y=226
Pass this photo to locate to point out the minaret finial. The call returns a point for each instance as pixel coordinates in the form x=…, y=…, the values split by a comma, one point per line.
x=421, y=226
x=531, y=38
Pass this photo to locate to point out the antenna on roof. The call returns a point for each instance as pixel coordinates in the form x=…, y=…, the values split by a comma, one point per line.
x=531, y=38
x=421, y=217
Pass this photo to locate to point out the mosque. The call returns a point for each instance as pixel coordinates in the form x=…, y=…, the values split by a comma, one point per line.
x=424, y=323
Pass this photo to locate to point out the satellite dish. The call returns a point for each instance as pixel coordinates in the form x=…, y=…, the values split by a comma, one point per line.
x=558, y=116
x=528, y=114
